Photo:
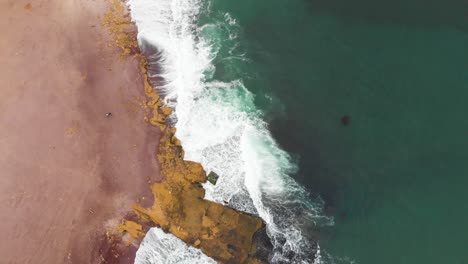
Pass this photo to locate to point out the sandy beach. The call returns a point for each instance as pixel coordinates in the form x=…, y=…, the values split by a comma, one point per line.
x=68, y=171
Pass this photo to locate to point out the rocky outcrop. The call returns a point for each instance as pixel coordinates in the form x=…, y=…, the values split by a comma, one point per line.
x=213, y=177
x=179, y=206
x=220, y=232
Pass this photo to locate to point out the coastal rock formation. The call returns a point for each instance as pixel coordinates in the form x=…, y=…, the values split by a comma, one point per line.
x=213, y=177
x=220, y=232
x=179, y=206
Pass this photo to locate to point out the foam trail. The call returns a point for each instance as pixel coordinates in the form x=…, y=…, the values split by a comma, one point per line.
x=220, y=127
x=160, y=248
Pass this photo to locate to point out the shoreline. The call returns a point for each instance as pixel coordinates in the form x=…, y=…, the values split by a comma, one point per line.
x=222, y=233
x=69, y=172
x=73, y=171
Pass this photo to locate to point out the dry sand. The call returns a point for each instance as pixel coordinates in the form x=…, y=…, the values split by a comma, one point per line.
x=66, y=170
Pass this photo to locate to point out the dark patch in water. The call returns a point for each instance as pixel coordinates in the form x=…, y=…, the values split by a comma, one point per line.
x=346, y=120
x=317, y=178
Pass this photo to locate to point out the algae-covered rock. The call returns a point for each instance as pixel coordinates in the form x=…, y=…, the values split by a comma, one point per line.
x=213, y=177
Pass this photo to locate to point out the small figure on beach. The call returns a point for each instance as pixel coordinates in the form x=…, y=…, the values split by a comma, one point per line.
x=109, y=114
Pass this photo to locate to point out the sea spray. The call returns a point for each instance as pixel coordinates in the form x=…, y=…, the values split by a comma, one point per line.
x=220, y=127
x=160, y=248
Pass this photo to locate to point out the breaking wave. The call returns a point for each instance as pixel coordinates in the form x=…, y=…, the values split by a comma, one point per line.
x=221, y=128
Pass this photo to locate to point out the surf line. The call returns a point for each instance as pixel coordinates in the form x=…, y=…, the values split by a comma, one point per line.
x=222, y=233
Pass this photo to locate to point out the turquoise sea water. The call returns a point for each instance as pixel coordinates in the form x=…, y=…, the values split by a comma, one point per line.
x=394, y=179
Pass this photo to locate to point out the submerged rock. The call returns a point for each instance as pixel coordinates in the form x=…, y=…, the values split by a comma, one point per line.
x=263, y=244
x=213, y=177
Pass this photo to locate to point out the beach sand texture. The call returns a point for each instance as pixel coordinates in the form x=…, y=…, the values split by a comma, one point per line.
x=81, y=128
x=68, y=172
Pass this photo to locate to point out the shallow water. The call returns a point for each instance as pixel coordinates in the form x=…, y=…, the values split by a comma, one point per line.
x=392, y=179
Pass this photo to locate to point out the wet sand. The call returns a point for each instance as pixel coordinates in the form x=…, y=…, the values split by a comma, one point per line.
x=68, y=173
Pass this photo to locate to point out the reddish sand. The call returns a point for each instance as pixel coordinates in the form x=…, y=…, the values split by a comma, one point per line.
x=67, y=172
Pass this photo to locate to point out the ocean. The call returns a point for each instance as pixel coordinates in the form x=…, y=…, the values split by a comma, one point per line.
x=342, y=124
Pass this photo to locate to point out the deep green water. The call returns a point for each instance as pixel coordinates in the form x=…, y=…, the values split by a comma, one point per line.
x=395, y=179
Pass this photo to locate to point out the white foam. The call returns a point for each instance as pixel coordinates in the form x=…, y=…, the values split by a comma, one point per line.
x=160, y=248
x=220, y=128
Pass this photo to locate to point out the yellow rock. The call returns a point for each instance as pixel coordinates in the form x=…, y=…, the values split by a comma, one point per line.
x=166, y=110
x=220, y=232
x=175, y=141
x=134, y=229
x=207, y=222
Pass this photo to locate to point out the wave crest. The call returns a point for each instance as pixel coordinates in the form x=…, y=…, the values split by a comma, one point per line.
x=220, y=127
